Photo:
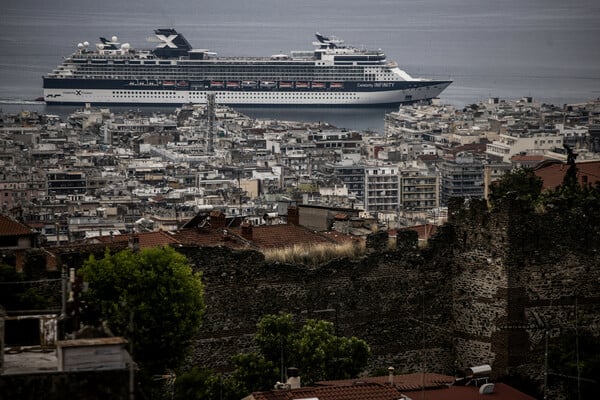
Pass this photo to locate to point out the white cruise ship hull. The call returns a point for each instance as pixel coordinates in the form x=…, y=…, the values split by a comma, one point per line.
x=266, y=98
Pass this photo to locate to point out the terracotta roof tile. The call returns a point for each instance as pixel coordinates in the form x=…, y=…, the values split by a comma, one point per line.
x=501, y=392
x=404, y=382
x=146, y=239
x=10, y=227
x=262, y=237
x=553, y=173
x=277, y=236
x=341, y=217
x=436, y=387
x=371, y=391
x=527, y=157
x=207, y=237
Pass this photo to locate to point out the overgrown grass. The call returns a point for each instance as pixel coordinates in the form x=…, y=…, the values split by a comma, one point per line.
x=315, y=254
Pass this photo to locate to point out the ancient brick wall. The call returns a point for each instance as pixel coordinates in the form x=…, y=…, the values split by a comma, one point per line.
x=516, y=274
x=395, y=301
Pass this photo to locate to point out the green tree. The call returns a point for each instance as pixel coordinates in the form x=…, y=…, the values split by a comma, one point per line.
x=151, y=297
x=521, y=183
x=313, y=348
x=274, y=336
x=198, y=384
x=321, y=355
x=253, y=372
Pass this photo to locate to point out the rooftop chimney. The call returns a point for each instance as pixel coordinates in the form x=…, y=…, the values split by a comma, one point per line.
x=134, y=243
x=391, y=376
x=246, y=230
x=217, y=219
x=293, y=215
x=293, y=378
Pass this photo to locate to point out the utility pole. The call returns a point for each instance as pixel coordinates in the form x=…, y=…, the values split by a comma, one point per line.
x=131, y=370
x=210, y=111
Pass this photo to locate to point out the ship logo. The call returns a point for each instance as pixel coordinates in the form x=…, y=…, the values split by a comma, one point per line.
x=167, y=41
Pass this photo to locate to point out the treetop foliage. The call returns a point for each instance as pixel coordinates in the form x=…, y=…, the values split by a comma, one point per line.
x=158, y=292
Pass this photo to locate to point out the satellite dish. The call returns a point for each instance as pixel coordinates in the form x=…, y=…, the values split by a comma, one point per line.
x=487, y=388
x=100, y=46
x=80, y=45
x=86, y=43
x=114, y=38
x=125, y=46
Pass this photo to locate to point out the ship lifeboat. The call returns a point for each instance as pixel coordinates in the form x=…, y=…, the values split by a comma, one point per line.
x=302, y=85
x=318, y=85
x=233, y=84
x=169, y=83
x=182, y=84
x=286, y=85
x=249, y=84
x=336, y=85
x=267, y=84
x=216, y=84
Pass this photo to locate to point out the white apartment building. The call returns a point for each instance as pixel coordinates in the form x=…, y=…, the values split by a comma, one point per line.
x=508, y=145
x=399, y=187
x=382, y=188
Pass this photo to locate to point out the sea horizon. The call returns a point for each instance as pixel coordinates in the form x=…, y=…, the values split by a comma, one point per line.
x=545, y=49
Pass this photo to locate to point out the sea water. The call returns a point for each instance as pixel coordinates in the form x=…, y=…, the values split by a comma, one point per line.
x=547, y=49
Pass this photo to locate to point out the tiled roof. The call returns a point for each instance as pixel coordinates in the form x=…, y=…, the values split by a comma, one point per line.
x=403, y=382
x=263, y=237
x=370, y=391
x=501, y=392
x=207, y=237
x=146, y=239
x=10, y=227
x=553, y=173
x=383, y=391
x=527, y=157
x=430, y=386
x=277, y=236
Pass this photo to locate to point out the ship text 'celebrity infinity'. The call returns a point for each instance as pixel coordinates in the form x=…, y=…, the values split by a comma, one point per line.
x=332, y=74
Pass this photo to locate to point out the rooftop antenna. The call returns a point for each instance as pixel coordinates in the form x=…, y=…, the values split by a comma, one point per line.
x=210, y=110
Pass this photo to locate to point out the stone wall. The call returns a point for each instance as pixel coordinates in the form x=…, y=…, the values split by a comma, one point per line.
x=395, y=301
x=516, y=274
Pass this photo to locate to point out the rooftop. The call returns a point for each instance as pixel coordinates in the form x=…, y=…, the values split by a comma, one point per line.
x=416, y=386
x=553, y=173
x=10, y=227
x=146, y=239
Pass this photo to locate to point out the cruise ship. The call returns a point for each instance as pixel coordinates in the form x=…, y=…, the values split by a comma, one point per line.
x=331, y=74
